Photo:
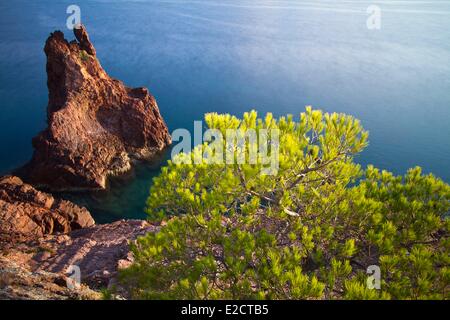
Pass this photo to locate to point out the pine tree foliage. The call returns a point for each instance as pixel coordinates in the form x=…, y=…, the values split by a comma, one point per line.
x=308, y=232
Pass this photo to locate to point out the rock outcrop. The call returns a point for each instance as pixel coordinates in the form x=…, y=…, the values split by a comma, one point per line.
x=99, y=251
x=37, y=267
x=41, y=237
x=19, y=282
x=31, y=213
x=96, y=125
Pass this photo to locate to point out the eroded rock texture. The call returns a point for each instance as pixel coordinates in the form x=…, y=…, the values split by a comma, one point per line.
x=99, y=251
x=32, y=213
x=96, y=125
x=19, y=282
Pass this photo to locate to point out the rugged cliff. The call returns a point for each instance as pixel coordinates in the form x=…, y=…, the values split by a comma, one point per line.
x=96, y=125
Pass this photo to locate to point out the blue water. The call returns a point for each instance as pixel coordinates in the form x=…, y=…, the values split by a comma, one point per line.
x=232, y=56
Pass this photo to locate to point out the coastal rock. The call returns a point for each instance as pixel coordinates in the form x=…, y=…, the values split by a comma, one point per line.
x=18, y=282
x=96, y=125
x=99, y=251
x=32, y=213
x=38, y=267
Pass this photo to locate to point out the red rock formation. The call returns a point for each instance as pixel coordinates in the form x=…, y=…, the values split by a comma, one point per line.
x=45, y=235
x=96, y=124
x=19, y=282
x=31, y=213
x=99, y=251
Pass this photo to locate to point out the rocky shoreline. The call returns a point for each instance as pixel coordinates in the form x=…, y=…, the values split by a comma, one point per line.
x=96, y=128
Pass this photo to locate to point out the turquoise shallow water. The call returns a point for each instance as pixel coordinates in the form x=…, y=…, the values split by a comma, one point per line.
x=232, y=56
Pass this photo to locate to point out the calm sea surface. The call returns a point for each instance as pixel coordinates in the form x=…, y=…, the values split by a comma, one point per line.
x=232, y=56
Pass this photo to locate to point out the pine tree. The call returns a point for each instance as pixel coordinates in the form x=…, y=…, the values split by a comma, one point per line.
x=308, y=232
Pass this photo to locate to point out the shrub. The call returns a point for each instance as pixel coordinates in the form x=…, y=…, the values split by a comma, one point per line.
x=309, y=232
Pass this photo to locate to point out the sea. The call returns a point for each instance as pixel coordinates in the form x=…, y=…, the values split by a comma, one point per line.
x=386, y=63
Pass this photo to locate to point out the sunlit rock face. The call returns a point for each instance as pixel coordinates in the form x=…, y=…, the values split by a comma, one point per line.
x=25, y=211
x=96, y=125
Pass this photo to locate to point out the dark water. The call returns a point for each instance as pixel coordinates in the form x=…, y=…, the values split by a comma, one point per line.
x=232, y=56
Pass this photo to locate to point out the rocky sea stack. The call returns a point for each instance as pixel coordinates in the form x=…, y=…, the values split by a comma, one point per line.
x=96, y=125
